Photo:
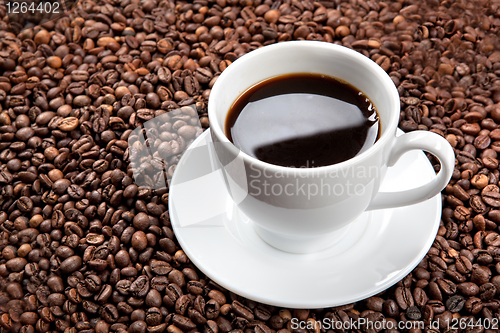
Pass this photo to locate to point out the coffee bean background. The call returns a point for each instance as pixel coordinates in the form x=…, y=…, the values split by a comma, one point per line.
x=84, y=249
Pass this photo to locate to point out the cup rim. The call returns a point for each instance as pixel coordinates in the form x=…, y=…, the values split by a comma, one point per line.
x=390, y=130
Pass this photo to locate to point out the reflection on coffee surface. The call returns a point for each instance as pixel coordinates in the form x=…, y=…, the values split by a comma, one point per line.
x=302, y=120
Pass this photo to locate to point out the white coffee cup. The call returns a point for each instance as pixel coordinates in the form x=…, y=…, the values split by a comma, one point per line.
x=303, y=210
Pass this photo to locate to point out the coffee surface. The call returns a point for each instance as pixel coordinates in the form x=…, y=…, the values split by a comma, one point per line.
x=302, y=120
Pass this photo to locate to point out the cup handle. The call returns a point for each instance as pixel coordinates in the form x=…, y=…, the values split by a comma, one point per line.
x=418, y=140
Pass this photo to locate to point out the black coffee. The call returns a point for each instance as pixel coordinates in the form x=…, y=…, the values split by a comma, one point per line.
x=302, y=120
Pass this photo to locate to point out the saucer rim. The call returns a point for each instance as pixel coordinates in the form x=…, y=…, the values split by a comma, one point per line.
x=310, y=304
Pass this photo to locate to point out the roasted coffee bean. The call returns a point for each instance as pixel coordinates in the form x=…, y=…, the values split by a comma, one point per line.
x=140, y=286
x=25, y=204
x=139, y=240
x=109, y=313
x=93, y=283
x=480, y=275
x=455, y=303
x=487, y=291
x=473, y=305
x=420, y=297
x=141, y=221
x=241, y=310
x=212, y=310
x=68, y=124
x=123, y=287
x=195, y=287
x=404, y=298
x=463, y=264
x=413, y=313
x=104, y=294
x=390, y=308
x=160, y=267
x=16, y=264
x=182, y=322
x=71, y=264
x=447, y=286
x=181, y=304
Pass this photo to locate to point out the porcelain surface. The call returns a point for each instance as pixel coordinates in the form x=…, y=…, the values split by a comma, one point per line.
x=373, y=253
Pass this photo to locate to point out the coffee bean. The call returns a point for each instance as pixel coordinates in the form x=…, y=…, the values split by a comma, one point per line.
x=141, y=221
x=463, y=265
x=242, y=310
x=25, y=133
x=181, y=304
x=104, y=294
x=390, y=308
x=404, y=298
x=480, y=275
x=473, y=305
x=420, y=297
x=24, y=204
x=75, y=192
x=444, y=319
x=139, y=240
x=217, y=296
x=492, y=239
x=123, y=287
x=16, y=264
x=153, y=298
x=68, y=124
x=100, y=166
x=212, y=310
x=413, y=313
x=140, y=286
x=491, y=198
x=455, y=303
x=109, y=313
x=160, y=267
x=487, y=291
x=182, y=322
x=177, y=278
x=71, y=264
x=447, y=286
x=61, y=185
x=138, y=327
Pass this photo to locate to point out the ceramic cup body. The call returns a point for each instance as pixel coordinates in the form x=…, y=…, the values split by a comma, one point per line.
x=303, y=210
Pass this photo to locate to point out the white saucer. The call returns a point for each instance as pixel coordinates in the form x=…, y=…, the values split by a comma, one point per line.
x=380, y=248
